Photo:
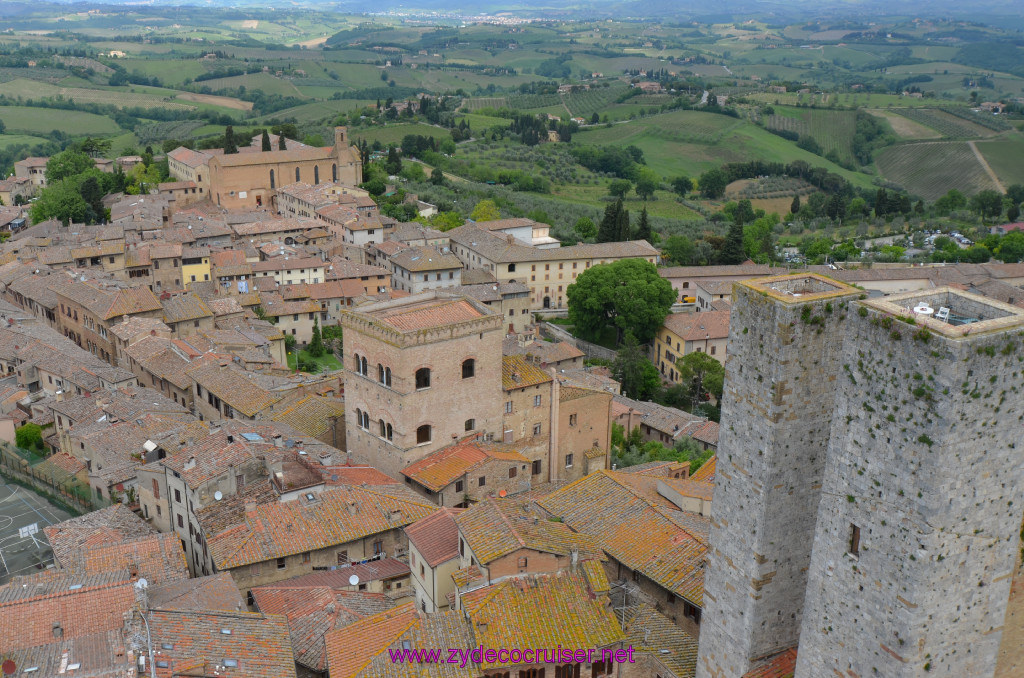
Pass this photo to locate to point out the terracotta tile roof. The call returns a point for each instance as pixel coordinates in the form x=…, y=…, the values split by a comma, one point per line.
x=497, y=248
x=338, y=515
x=356, y=475
x=199, y=646
x=496, y=527
x=706, y=473
x=312, y=415
x=649, y=631
x=107, y=303
x=697, y=326
x=234, y=388
x=351, y=649
x=634, y=532
x=187, y=156
x=314, y=611
x=425, y=258
x=748, y=270
x=706, y=433
x=543, y=611
x=99, y=655
x=288, y=263
x=781, y=665
x=29, y=622
x=467, y=576
x=372, y=570
x=112, y=525
x=345, y=268
x=436, y=537
x=439, y=469
x=183, y=307
x=216, y=592
x=518, y=372
x=426, y=315
x=157, y=558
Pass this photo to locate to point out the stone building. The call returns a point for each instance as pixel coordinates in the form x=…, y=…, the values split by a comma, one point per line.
x=845, y=416
x=685, y=333
x=420, y=374
x=419, y=269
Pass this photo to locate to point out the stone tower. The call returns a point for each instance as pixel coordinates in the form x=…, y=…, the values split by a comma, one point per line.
x=917, y=528
x=785, y=341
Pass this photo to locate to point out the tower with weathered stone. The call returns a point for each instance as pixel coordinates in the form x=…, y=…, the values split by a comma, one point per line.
x=918, y=525
x=785, y=339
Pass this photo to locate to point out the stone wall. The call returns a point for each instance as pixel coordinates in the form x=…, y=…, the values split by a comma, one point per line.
x=917, y=532
x=776, y=413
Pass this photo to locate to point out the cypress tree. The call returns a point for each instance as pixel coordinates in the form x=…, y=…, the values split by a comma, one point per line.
x=732, y=250
x=265, y=141
x=643, y=229
x=229, y=141
x=280, y=142
x=608, y=229
x=795, y=206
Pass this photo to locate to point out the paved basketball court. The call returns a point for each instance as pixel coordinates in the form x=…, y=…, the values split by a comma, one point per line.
x=20, y=508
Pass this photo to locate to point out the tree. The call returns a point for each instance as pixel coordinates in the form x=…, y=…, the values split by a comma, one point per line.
x=67, y=164
x=614, y=225
x=953, y=200
x=229, y=140
x=437, y=177
x=619, y=188
x=92, y=193
x=29, y=437
x=393, y=164
x=60, y=201
x=316, y=343
x=733, y=251
x=744, y=212
x=643, y=227
x=627, y=294
x=281, y=144
x=987, y=203
x=585, y=228
x=639, y=377
x=682, y=185
x=712, y=183
x=701, y=374
x=646, y=183
x=679, y=249
x=265, y=141
x=1012, y=212
x=446, y=221
x=1011, y=248
x=485, y=210
x=1015, y=193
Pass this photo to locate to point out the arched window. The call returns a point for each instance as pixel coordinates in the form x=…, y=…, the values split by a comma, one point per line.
x=423, y=434
x=468, y=368
x=296, y=174
x=358, y=371
x=423, y=378
x=380, y=373
x=387, y=376
x=390, y=432
x=366, y=420
x=362, y=365
x=334, y=172
x=383, y=430
x=359, y=417
x=470, y=424
x=272, y=179
x=316, y=174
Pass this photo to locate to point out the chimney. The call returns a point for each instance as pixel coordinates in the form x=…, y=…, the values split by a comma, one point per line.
x=353, y=507
x=190, y=464
x=58, y=630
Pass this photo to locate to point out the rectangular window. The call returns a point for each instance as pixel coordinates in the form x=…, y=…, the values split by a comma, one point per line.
x=512, y=472
x=458, y=486
x=572, y=420
x=568, y=461
x=342, y=557
x=508, y=407
x=854, y=544
x=712, y=350
x=691, y=612
x=536, y=467
x=177, y=496
x=522, y=562
x=281, y=563
x=378, y=547
x=536, y=401
x=483, y=481
x=536, y=429
x=305, y=557
x=181, y=522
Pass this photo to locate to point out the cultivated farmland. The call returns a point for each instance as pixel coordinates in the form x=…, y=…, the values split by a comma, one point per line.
x=947, y=124
x=30, y=89
x=45, y=120
x=833, y=130
x=905, y=128
x=930, y=169
x=1005, y=157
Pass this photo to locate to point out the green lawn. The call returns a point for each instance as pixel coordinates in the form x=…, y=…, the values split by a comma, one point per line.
x=15, y=139
x=327, y=360
x=26, y=119
x=393, y=133
x=1004, y=156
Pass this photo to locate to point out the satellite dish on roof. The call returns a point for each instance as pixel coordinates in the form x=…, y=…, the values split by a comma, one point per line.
x=141, y=584
x=353, y=580
x=218, y=495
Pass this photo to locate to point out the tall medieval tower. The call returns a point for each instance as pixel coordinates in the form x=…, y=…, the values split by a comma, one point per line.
x=886, y=438
x=785, y=335
x=918, y=526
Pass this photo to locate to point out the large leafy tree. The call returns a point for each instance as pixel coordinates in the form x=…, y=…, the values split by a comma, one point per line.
x=66, y=164
x=646, y=182
x=712, y=183
x=485, y=210
x=679, y=249
x=639, y=377
x=628, y=295
x=61, y=201
x=700, y=374
x=987, y=203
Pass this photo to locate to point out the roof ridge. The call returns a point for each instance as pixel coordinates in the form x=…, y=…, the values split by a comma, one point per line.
x=505, y=519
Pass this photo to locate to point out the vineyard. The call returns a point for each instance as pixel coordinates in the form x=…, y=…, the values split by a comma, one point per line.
x=45, y=120
x=29, y=89
x=586, y=103
x=984, y=119
x=929, y=169
x=471, y=105
x=833, y=130
x=523, y=102
x=175, y=129
x=947, y=124
x=1004, y=157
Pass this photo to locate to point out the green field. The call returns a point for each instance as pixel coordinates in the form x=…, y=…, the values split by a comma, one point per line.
x=930, y=169
x=170, y=71
x=690, y=142
x=1005, y=157
x=392, y=134
x=34, y=120
x=664, y=203
x=946, y=124
x=259, y=81
x=31, y=89
x=327, y=362
x=7, y=140
x=833, y=130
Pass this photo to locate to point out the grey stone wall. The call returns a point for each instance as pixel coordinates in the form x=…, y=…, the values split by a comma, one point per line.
x=923, y=462
x=776, y=413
